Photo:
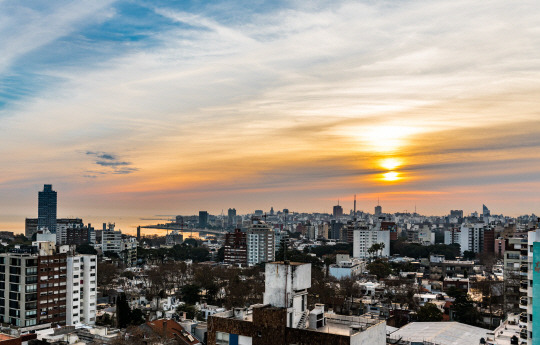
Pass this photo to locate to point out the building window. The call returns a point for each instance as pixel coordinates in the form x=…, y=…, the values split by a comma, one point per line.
x=222, y=338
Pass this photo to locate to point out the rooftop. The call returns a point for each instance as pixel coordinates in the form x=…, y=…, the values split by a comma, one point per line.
x=442, y=333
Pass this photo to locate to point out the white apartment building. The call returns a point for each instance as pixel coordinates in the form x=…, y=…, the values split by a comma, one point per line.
x=111, y=241
x=81, y=289
x=260, y=244
x=472, y=237
x=364, y=237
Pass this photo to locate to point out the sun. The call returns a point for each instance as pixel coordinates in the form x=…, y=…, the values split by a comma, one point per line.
x=391, y=176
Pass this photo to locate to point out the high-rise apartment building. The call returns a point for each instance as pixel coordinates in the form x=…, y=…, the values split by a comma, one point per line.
x=364, y=237
x=81, y=289
x=47, y=204
x=260, y=243
x=235, y=247
x=111, y=240
x=378, y=210
x=33, y=287
x=43, y=286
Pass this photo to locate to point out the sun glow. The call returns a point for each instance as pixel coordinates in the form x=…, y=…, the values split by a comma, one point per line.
x=391, y=176
x=390, y=163
x=386, y=138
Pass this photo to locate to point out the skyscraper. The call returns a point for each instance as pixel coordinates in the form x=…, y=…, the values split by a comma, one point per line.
x=337, y=211
x=485, y=212
x=47, y=203
x=203, y=219
x=231, y=217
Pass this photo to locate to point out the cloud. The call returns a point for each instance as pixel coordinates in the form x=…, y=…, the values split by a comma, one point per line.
x=110, y=161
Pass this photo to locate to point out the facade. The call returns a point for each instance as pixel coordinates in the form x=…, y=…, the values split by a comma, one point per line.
x=34, y=296
x=47, y=204
x=515, y=288
x=235, y=247
x=81, y=289
x=472, y=237
x=260, y=243
x=364, y=237
x=18, y=288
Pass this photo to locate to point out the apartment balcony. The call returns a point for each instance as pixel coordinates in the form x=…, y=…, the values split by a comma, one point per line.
x=524, y=268
x=523, y=318
x=523, y=303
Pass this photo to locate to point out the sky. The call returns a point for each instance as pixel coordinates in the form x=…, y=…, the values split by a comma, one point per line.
x=142, y=108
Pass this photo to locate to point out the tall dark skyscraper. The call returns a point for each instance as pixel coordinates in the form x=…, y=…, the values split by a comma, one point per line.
x=47, y=203
x=203, y=219
x=231, y=217
x=338, y=211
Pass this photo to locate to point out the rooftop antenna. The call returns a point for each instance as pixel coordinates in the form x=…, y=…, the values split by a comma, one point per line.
x=378, y=201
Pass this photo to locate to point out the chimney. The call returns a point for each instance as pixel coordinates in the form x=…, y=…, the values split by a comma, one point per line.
x=164, y=329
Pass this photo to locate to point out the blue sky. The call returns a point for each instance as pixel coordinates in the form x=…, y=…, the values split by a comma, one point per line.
x=210, y=105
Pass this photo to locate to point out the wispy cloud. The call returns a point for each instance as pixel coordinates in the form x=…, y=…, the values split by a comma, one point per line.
x=108, y=160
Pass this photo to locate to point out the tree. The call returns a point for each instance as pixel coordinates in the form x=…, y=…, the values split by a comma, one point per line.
x=122, y=311
x=221, y=254
x=464, y=310
x=106, y=274
x=429, y=312
x=136, y=317
x=86, y=249
x=379, y=268
x=469, y=255
x=191, y=293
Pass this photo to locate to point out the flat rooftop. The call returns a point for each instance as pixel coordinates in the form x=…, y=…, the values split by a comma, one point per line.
x=441, y=333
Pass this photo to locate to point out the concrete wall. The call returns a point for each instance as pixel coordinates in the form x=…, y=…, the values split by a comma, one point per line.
x=282, y=280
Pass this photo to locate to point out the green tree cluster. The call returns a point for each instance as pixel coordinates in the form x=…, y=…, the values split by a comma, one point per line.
x=429, y=312
x=416, y=250
x=379, y=268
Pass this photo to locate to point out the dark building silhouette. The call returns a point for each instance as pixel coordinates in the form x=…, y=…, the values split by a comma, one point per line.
x=30, y=227
x=203, y=219
x=338, y=211
x=231, y=217
x=47, y=204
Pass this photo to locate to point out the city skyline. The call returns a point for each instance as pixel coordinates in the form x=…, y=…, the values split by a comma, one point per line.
x=134, y=109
